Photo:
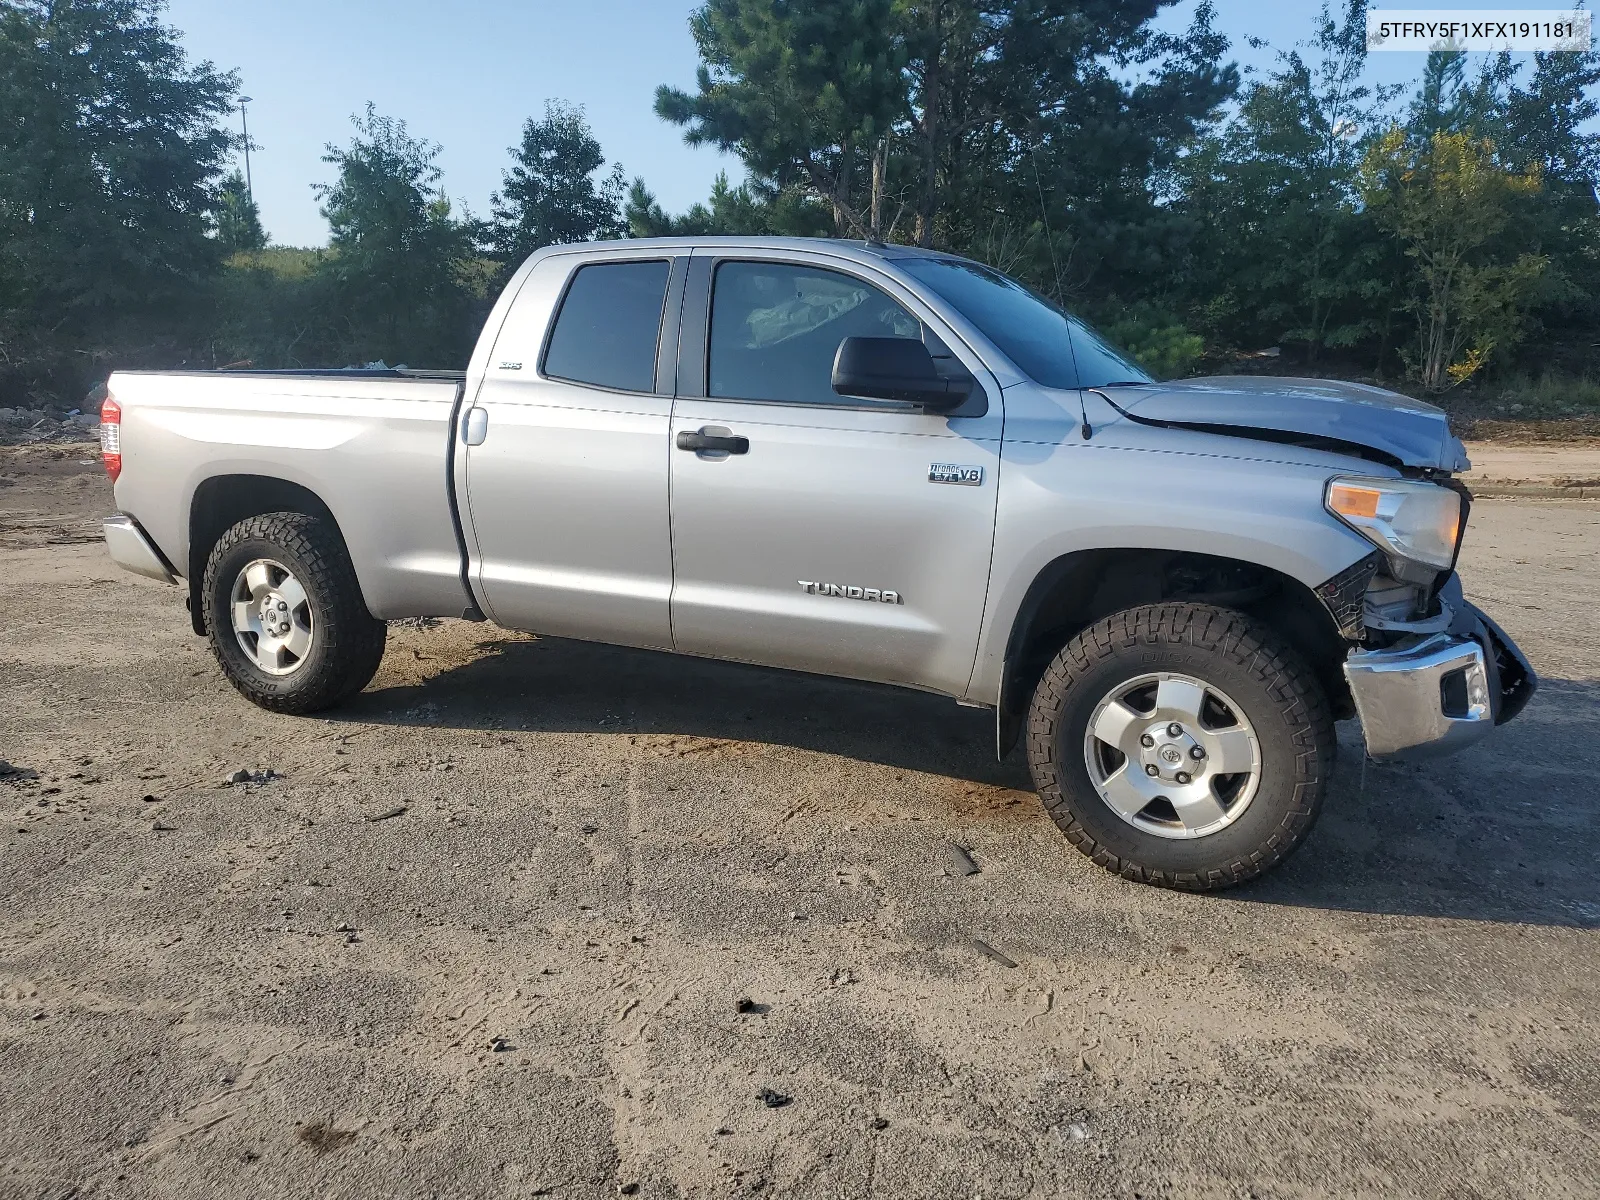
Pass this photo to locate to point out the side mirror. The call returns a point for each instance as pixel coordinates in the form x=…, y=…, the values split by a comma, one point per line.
x=884, y=368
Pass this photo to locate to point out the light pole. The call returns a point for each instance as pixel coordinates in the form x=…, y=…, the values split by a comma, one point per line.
x=244, y=117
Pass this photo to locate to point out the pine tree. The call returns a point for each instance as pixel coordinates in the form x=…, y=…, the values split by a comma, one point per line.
x=803, y=93
x=553, y=193
x=238, y=218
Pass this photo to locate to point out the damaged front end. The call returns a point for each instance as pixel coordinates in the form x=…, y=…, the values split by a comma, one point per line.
x=1429, y=672
x=1439, y=685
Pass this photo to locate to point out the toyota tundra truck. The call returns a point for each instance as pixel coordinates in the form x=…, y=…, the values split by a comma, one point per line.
x=867, y=461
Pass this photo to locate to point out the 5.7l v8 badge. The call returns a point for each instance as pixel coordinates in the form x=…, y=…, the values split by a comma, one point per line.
x=955, y=473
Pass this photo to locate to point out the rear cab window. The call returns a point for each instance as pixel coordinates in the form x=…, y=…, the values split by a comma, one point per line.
x=608, y=326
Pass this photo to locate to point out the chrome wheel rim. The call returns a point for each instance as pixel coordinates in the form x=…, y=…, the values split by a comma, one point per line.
x=1172, y=755
x=272, y=617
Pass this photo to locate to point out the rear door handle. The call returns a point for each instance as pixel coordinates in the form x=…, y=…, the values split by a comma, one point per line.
x=475, y=427
x=714, y=442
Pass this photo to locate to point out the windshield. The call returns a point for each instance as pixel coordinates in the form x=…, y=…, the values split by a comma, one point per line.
x=1053, y=348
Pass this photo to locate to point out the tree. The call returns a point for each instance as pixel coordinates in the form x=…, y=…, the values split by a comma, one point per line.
x=110, y=139
x=803, y=93
x=1448, y=199
x=947, y=120
x=1283, y=242
x=1103, y=108
x=551, y=194
x=397, y=255
x=238, y=218
x=748, y=209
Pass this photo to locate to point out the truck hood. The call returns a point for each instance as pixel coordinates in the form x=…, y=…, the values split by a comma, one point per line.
x=1325, y=413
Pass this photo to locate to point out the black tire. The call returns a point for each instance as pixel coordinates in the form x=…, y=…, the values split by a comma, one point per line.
x=348, y=642
x=1281, y=699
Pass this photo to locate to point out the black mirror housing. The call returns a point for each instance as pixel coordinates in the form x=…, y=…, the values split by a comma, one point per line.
x=887, y=368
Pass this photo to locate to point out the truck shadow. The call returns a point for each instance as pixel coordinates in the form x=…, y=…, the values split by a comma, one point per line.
x=558, y=686
x=1506, y=831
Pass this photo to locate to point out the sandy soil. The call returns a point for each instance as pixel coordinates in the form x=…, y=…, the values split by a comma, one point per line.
x=1577, y=463
x=529, y=978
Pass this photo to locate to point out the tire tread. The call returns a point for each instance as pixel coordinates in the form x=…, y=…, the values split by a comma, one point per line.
x=353, y=639
x=1289, y=681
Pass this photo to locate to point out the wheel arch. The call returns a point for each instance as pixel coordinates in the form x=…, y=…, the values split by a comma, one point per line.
x=221, y=502
x=1073, y=591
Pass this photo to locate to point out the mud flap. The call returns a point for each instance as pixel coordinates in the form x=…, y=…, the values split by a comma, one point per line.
x=1009, y=713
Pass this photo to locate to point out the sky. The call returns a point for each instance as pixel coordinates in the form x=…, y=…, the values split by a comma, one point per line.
x=467, y=73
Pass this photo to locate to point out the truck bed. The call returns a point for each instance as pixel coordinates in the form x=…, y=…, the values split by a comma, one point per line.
x=375, y=445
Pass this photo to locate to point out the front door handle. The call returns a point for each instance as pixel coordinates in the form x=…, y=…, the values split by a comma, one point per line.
x=714, y=442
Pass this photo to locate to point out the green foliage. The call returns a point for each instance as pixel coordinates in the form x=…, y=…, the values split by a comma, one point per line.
x=1273, y=198
x=1121, y=169
x=269, y=310
x=1158, y=341
x=803, y=93
x=1547, y=396
x=109, y=142
x=238, y=218
x=550, y=194
x=1449, y=200
x=745, y=209
x=397, y=258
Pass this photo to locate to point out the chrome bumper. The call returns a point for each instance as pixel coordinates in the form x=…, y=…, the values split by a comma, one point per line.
x=1442, y=693
x=133, y=551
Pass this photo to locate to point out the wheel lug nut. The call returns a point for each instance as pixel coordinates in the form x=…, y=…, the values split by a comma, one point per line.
x=1150, y=769
x=1183, y=777
x=1147, y=741
x=1197, y=752
x=1174, y=730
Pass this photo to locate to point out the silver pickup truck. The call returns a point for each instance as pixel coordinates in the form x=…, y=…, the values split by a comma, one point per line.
x=867, y=461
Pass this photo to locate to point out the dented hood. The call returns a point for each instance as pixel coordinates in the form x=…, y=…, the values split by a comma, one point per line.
x=1321, y=412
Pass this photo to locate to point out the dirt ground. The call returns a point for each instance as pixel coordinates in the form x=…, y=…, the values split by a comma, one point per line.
x=1572, y=464
x=535, y=917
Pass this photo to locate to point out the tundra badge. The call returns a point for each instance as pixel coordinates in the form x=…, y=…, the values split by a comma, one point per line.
x=851, y=592
x=955, y=473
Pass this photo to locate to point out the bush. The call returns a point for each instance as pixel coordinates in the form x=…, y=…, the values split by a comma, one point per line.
x=1158, y=341
x=1550, y=396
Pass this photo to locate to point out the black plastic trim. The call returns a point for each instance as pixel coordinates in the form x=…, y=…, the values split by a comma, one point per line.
x=695, y=328
x=671, y=328
x=473, y=611
x=1345, y=596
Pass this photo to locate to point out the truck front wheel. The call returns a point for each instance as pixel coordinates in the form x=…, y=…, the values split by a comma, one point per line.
x=285, y=614
x=1181, y=745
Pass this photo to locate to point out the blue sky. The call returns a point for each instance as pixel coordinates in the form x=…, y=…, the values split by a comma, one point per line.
x=467, y=73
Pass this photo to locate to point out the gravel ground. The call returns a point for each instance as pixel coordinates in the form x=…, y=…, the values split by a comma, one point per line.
x=535, y=917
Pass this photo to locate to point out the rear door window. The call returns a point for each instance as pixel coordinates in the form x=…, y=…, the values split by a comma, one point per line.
x=776, y=326
x=609, y=326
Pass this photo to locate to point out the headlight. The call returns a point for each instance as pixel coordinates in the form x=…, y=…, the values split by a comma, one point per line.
x=1409, y=519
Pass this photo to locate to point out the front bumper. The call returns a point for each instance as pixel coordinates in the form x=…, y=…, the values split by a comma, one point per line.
x=1442, y=692
x=133, y=550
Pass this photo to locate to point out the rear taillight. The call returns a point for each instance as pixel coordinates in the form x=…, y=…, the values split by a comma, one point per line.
x=111, y=436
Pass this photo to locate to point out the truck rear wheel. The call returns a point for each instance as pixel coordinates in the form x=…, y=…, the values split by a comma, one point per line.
x=1181, y=745
x=285, y=614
